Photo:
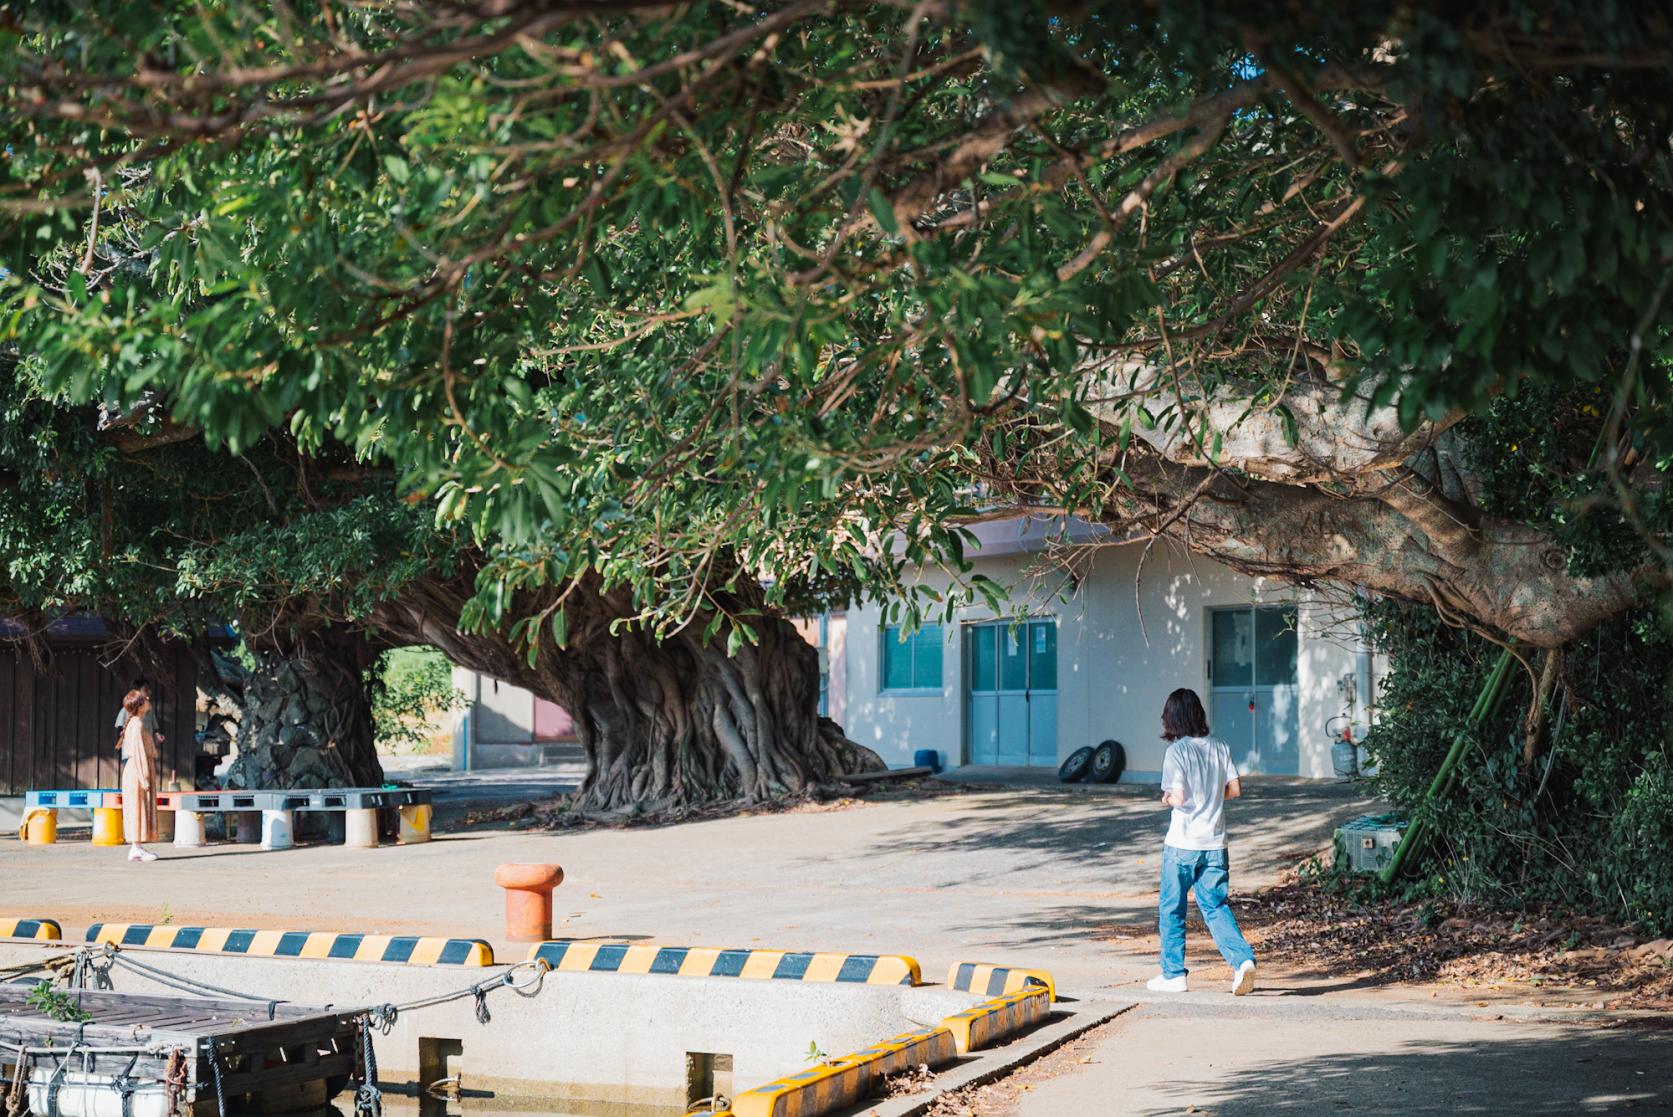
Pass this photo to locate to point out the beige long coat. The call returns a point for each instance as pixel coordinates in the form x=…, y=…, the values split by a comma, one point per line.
x=139, y=766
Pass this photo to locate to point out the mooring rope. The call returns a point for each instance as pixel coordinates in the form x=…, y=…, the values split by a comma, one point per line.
x=383, y=1016
x=17, y=1098
x=368, y=1099
x=215, y=1072
x=113, y=957
x=30, y=967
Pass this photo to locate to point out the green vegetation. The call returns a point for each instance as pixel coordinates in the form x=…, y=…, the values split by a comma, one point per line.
x=1566, y=792
x=1588, y=822
x=56, y=1005
x=584, y=346
x=411, y=686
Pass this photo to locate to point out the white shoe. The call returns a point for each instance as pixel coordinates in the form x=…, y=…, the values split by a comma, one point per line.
x=1244, y=980
x=141, y=855
x=1162, y=984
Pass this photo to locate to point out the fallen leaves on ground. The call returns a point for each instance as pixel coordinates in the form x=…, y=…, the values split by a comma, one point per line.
x=999, y=1098
x=909, y=1081
x=1301, y=927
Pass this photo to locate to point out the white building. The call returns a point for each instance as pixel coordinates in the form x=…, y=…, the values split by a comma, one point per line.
x=1072, y=664
x=505, y=726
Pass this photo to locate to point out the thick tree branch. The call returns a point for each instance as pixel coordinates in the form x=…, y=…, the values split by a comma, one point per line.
x=1512, y=578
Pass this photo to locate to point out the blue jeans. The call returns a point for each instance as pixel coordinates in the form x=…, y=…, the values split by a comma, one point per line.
x=1207, y=871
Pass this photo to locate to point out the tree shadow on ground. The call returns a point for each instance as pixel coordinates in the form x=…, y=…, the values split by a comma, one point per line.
x=1085, y=838
x=1568, y=1071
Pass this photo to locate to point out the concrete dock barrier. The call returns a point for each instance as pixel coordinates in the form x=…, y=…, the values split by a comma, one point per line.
x=418, y=950
x=16, y=927
x=569, y=1037
x=991, y=1021
x=994, y=980
x=568, y=956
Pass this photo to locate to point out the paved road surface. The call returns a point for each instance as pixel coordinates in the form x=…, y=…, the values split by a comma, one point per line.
x=998, y=874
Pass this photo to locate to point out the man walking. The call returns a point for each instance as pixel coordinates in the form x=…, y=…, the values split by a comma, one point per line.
x=1198, y=776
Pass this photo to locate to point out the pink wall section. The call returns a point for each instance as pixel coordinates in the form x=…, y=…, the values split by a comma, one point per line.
x=552, y=722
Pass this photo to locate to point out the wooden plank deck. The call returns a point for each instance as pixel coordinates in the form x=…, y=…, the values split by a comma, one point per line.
x=302, y=1053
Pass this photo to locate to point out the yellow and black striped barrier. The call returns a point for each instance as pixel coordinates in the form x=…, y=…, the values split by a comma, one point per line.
x=841, y=1082
x=417, y=950
x=991, y=1021
x=995, y=981
x=566, y=956
x=12, y=927
x=822, y=1089
x=932, y=1046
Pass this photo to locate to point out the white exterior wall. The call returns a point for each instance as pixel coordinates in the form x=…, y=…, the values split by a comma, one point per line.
x=499, y=726
x=1113, y=676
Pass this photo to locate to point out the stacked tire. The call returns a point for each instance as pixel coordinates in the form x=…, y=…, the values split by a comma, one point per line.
x=1102, y=764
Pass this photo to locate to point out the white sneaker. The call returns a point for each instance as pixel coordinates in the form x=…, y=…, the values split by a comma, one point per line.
x=1244, y=980
x=1161, y=984
x=141, y=855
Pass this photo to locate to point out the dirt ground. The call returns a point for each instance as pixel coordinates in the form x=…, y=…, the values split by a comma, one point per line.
x=1303, y=932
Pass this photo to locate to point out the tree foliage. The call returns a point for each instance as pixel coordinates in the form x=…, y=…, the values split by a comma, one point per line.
x=180, y=536
x=596, y=336
x=686, y=296
x=1564, y=794
x=1586, y=824
x=410, y=686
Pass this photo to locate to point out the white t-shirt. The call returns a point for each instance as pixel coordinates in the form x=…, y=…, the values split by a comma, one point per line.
x=1201, y=767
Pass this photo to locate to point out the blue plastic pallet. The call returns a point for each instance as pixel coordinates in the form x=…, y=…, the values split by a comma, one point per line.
x=211, y=802
x=300, y=799
x=85, y=800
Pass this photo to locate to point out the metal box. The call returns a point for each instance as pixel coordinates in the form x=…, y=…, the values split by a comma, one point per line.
x=1367, y=844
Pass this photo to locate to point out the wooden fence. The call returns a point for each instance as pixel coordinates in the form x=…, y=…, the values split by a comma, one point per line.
x=58, y=727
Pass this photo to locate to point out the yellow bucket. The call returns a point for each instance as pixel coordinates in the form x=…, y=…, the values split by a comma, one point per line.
x=107, y=826
x=40, y=826
x=415, y=823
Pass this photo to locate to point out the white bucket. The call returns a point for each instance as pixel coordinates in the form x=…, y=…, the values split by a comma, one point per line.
x=91, y=1095
x=276, y=832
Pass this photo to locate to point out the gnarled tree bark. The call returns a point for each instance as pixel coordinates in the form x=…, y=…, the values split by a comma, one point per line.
x=664, y=723
x=306, y=717
x=1308, y=488
x=1394, y=541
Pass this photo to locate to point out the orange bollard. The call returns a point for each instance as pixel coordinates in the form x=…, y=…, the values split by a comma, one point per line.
x=528, y=900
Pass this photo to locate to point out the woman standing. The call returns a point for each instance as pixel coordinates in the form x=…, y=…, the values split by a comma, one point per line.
x=139, y=767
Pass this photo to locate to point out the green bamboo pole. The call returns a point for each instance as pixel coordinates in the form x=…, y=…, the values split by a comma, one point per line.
x=1417, y=834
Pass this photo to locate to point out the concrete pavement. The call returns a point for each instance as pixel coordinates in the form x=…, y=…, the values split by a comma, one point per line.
x=1247, y=1060
x=1026, y=875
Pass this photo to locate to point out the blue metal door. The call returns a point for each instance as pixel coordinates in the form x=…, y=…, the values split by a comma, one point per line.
x=1011, y=689
x=1254, y=702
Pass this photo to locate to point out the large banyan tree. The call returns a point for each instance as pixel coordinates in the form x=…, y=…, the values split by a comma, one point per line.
x=322, y=568
x=677, y=317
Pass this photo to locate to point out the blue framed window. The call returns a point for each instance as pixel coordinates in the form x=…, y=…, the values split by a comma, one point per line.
x=912, y=662
x=824, y=665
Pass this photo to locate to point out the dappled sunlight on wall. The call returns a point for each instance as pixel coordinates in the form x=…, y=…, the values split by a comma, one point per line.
x=1127, y=636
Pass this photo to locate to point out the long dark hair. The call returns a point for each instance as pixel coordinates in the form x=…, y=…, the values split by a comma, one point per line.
x=1183, y=716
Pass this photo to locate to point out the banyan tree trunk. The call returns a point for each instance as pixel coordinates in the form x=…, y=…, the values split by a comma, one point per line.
x=307, y=719
x=681, y=721
x=664, y=723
